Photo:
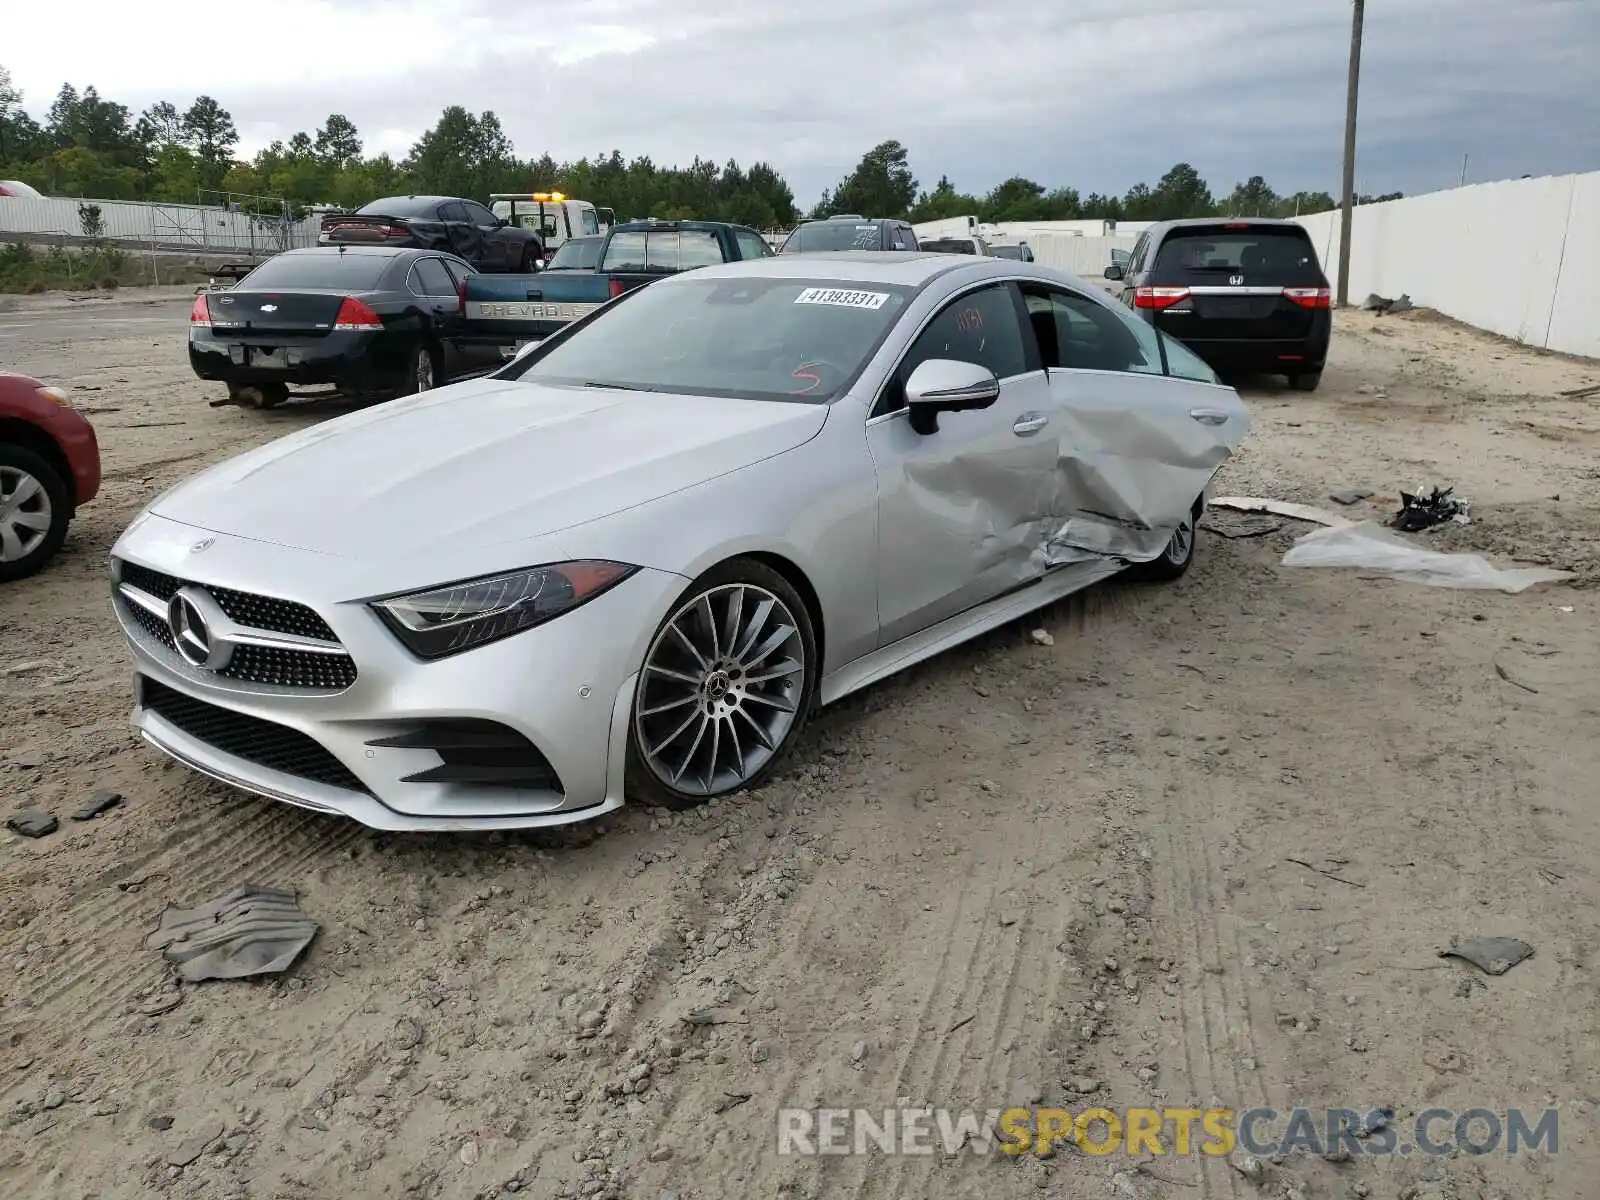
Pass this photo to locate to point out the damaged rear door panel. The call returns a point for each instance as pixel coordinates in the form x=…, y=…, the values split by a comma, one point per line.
x=1141, y=431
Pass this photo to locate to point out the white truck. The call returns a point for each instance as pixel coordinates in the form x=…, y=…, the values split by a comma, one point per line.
x=551, y=215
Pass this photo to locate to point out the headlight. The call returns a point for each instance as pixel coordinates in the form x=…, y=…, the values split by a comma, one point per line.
x=459, y=616
x=54, y=395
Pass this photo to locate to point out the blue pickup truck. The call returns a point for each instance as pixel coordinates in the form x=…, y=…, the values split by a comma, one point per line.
x=512, y=310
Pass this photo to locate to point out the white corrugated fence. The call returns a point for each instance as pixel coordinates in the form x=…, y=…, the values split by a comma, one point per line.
x=164, y=226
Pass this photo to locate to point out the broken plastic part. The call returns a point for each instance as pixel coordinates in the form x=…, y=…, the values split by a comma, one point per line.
x=1370, y=547
x=1494, y=955
x=1282, y=508
x=250, y=931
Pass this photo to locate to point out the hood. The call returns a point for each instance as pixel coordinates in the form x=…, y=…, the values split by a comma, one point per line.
x=480, y=463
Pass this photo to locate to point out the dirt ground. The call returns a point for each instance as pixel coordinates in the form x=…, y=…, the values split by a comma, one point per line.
x=1201, y=848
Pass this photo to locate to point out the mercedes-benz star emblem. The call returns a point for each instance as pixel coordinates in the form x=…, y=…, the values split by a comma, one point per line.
x=187, y=615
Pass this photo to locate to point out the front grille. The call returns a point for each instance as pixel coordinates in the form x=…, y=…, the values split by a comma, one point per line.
x=290, y=668
x=265, y=743
x=278, y=665
x=258, y=612
x=150, y=623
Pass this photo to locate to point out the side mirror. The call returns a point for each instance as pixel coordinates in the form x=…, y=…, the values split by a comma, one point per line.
x=1114, y=271
x=947, y=385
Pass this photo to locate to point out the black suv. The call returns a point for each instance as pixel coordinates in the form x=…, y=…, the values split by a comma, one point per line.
x=850, y=233
x=1245, y=295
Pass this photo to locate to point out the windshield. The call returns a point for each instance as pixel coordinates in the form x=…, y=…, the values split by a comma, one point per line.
x=833, y=235
x=1006, y=251
x=662, y=250
x=764, y=339
x=343, y=271
x=578, y=254
x=1210, y=254
x=399, y=206
x=951, y=246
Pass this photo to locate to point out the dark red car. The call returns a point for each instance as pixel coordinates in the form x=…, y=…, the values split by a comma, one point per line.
x=49, y=465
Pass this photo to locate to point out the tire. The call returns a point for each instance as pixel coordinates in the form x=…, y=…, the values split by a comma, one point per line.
x=261, y=395
x=671, y=762
x=45, y=500
x=1306, y=381
x=532, y=258
x=1173, y=561
x=422, y=370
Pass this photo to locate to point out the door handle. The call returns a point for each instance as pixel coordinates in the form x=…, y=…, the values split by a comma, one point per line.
x=1029, y=424
x=1209, y=416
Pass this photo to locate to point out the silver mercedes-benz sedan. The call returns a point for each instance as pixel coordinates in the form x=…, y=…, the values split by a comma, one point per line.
x=633, y=560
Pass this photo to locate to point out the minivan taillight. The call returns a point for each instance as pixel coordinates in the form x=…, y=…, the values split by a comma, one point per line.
x=356, y=314
x=200, y=312
x=616, y=288
x=1158, y=297
x=1310, y=297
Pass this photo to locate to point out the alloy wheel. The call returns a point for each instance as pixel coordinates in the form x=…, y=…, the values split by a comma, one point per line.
x=722, y=687
x=25, y=514
x=1182, y=543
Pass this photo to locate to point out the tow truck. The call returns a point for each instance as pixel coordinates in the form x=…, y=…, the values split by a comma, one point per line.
x=511, y=311
x=551, y=215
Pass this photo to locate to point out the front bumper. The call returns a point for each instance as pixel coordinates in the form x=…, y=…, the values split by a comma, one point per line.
x=566, y=687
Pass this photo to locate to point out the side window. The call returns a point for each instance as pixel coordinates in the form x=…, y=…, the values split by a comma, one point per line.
x=752, y=245
x=1141, y=251
x=458, y=269
x=435, y=282
x=1077, y=334
x=479, y=215
x=978, y=327
x=452, y=210
x=907, y=239
x=591, y=222
x=1184, y=363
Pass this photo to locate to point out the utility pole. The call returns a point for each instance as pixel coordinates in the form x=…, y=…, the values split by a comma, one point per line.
x=1348, y=203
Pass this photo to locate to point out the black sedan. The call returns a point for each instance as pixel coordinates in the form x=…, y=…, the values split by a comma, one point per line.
x=367, y=321
x=464, y=228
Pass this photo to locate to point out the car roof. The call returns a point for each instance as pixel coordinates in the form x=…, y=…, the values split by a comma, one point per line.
x=1193, y=222
x=408, y=196
x=903, y=268
x=853, y=221
x=651, y=225
x=364, y=251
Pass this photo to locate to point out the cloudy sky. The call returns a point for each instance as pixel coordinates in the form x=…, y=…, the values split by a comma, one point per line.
x=1095, y=94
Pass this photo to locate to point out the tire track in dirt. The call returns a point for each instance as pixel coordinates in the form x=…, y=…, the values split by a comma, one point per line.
x=1185, y=897
x=245, y=841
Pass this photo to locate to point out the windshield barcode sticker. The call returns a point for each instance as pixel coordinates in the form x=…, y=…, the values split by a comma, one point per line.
x=842, y=298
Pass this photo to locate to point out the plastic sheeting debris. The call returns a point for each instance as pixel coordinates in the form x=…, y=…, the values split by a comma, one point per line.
x=1370, y=547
